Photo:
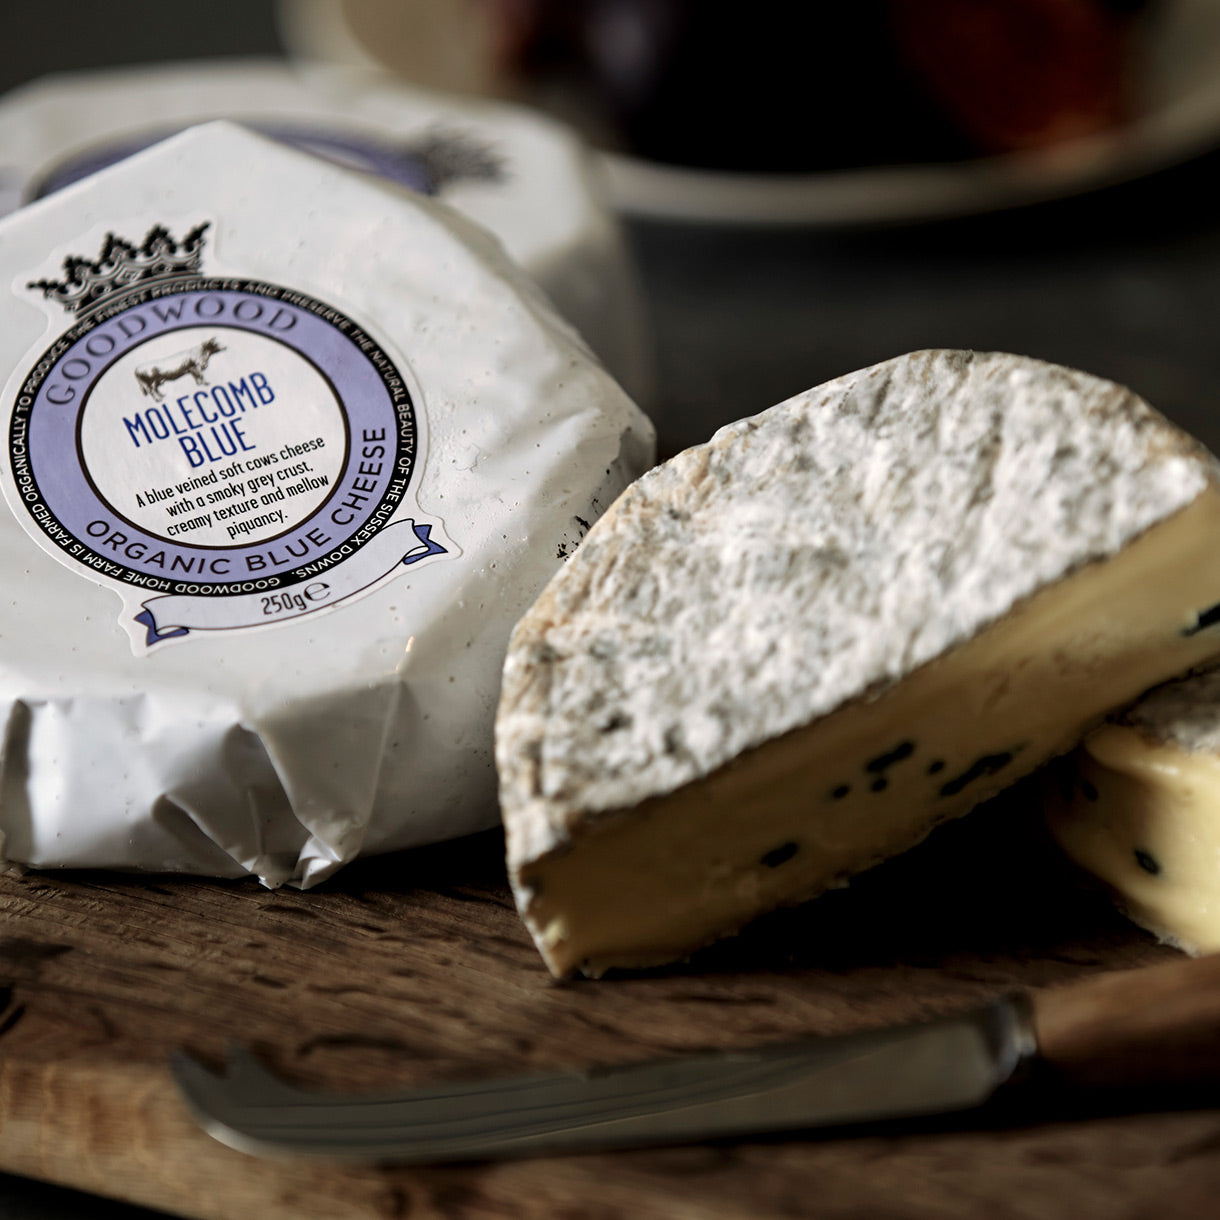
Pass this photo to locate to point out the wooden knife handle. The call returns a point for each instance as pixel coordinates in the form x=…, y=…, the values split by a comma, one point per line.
x=1150, y=1028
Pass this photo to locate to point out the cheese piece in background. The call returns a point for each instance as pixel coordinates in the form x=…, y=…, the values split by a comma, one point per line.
x=1138, y=806
x=526, y=178
x=789, y=653
x=279, y=480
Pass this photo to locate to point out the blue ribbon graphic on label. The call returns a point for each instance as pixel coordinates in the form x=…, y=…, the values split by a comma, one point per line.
x=424, y=534
x=401, y=543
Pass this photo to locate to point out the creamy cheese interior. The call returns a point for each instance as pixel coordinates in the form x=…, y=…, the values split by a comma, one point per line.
x=1144, y=817
x=805, y=811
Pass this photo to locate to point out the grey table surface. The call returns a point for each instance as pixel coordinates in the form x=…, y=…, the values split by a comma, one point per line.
x=1124, y=283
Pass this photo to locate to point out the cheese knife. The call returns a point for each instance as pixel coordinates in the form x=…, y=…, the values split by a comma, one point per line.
x=1153, y=1028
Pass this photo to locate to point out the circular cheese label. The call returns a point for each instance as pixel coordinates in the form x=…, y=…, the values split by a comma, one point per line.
x=239, y=450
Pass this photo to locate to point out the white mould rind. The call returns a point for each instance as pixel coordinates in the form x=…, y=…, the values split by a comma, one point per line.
x=1183, y=713
x=811, y=555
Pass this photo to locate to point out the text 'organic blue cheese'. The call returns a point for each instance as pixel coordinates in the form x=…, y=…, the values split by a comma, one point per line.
x=287, y=453
x=789, y=653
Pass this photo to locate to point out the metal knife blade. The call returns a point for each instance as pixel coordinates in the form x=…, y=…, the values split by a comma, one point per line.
x=941, y=1067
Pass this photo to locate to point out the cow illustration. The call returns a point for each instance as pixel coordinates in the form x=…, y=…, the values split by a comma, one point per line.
x=169, y=368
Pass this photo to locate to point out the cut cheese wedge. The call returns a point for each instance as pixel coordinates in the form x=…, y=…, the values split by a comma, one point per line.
x=787, y=654
x=1138, y=806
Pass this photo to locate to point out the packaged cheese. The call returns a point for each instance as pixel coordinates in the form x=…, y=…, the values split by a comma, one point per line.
x=789, y=653
x=289, y=452
x=525, y=178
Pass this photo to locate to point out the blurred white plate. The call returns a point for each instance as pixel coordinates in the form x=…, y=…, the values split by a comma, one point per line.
x=1181, y=120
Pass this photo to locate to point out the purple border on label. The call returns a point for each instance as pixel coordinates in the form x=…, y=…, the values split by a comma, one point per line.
x=360, y=151
x=357, y=369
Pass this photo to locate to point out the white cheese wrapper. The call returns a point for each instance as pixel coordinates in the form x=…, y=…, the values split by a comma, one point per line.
x=288, y=452
x=527, y=179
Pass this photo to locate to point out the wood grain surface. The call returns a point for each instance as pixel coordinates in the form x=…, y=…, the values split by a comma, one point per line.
x=414, y=968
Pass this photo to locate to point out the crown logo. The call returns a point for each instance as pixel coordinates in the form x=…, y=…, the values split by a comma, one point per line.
x=121, y=266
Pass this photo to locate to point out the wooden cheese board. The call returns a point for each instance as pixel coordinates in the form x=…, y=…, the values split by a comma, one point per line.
x=415, y=968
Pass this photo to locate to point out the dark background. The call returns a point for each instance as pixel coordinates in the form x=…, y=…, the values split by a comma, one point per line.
x=1121, y=282
x=1124, y=283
